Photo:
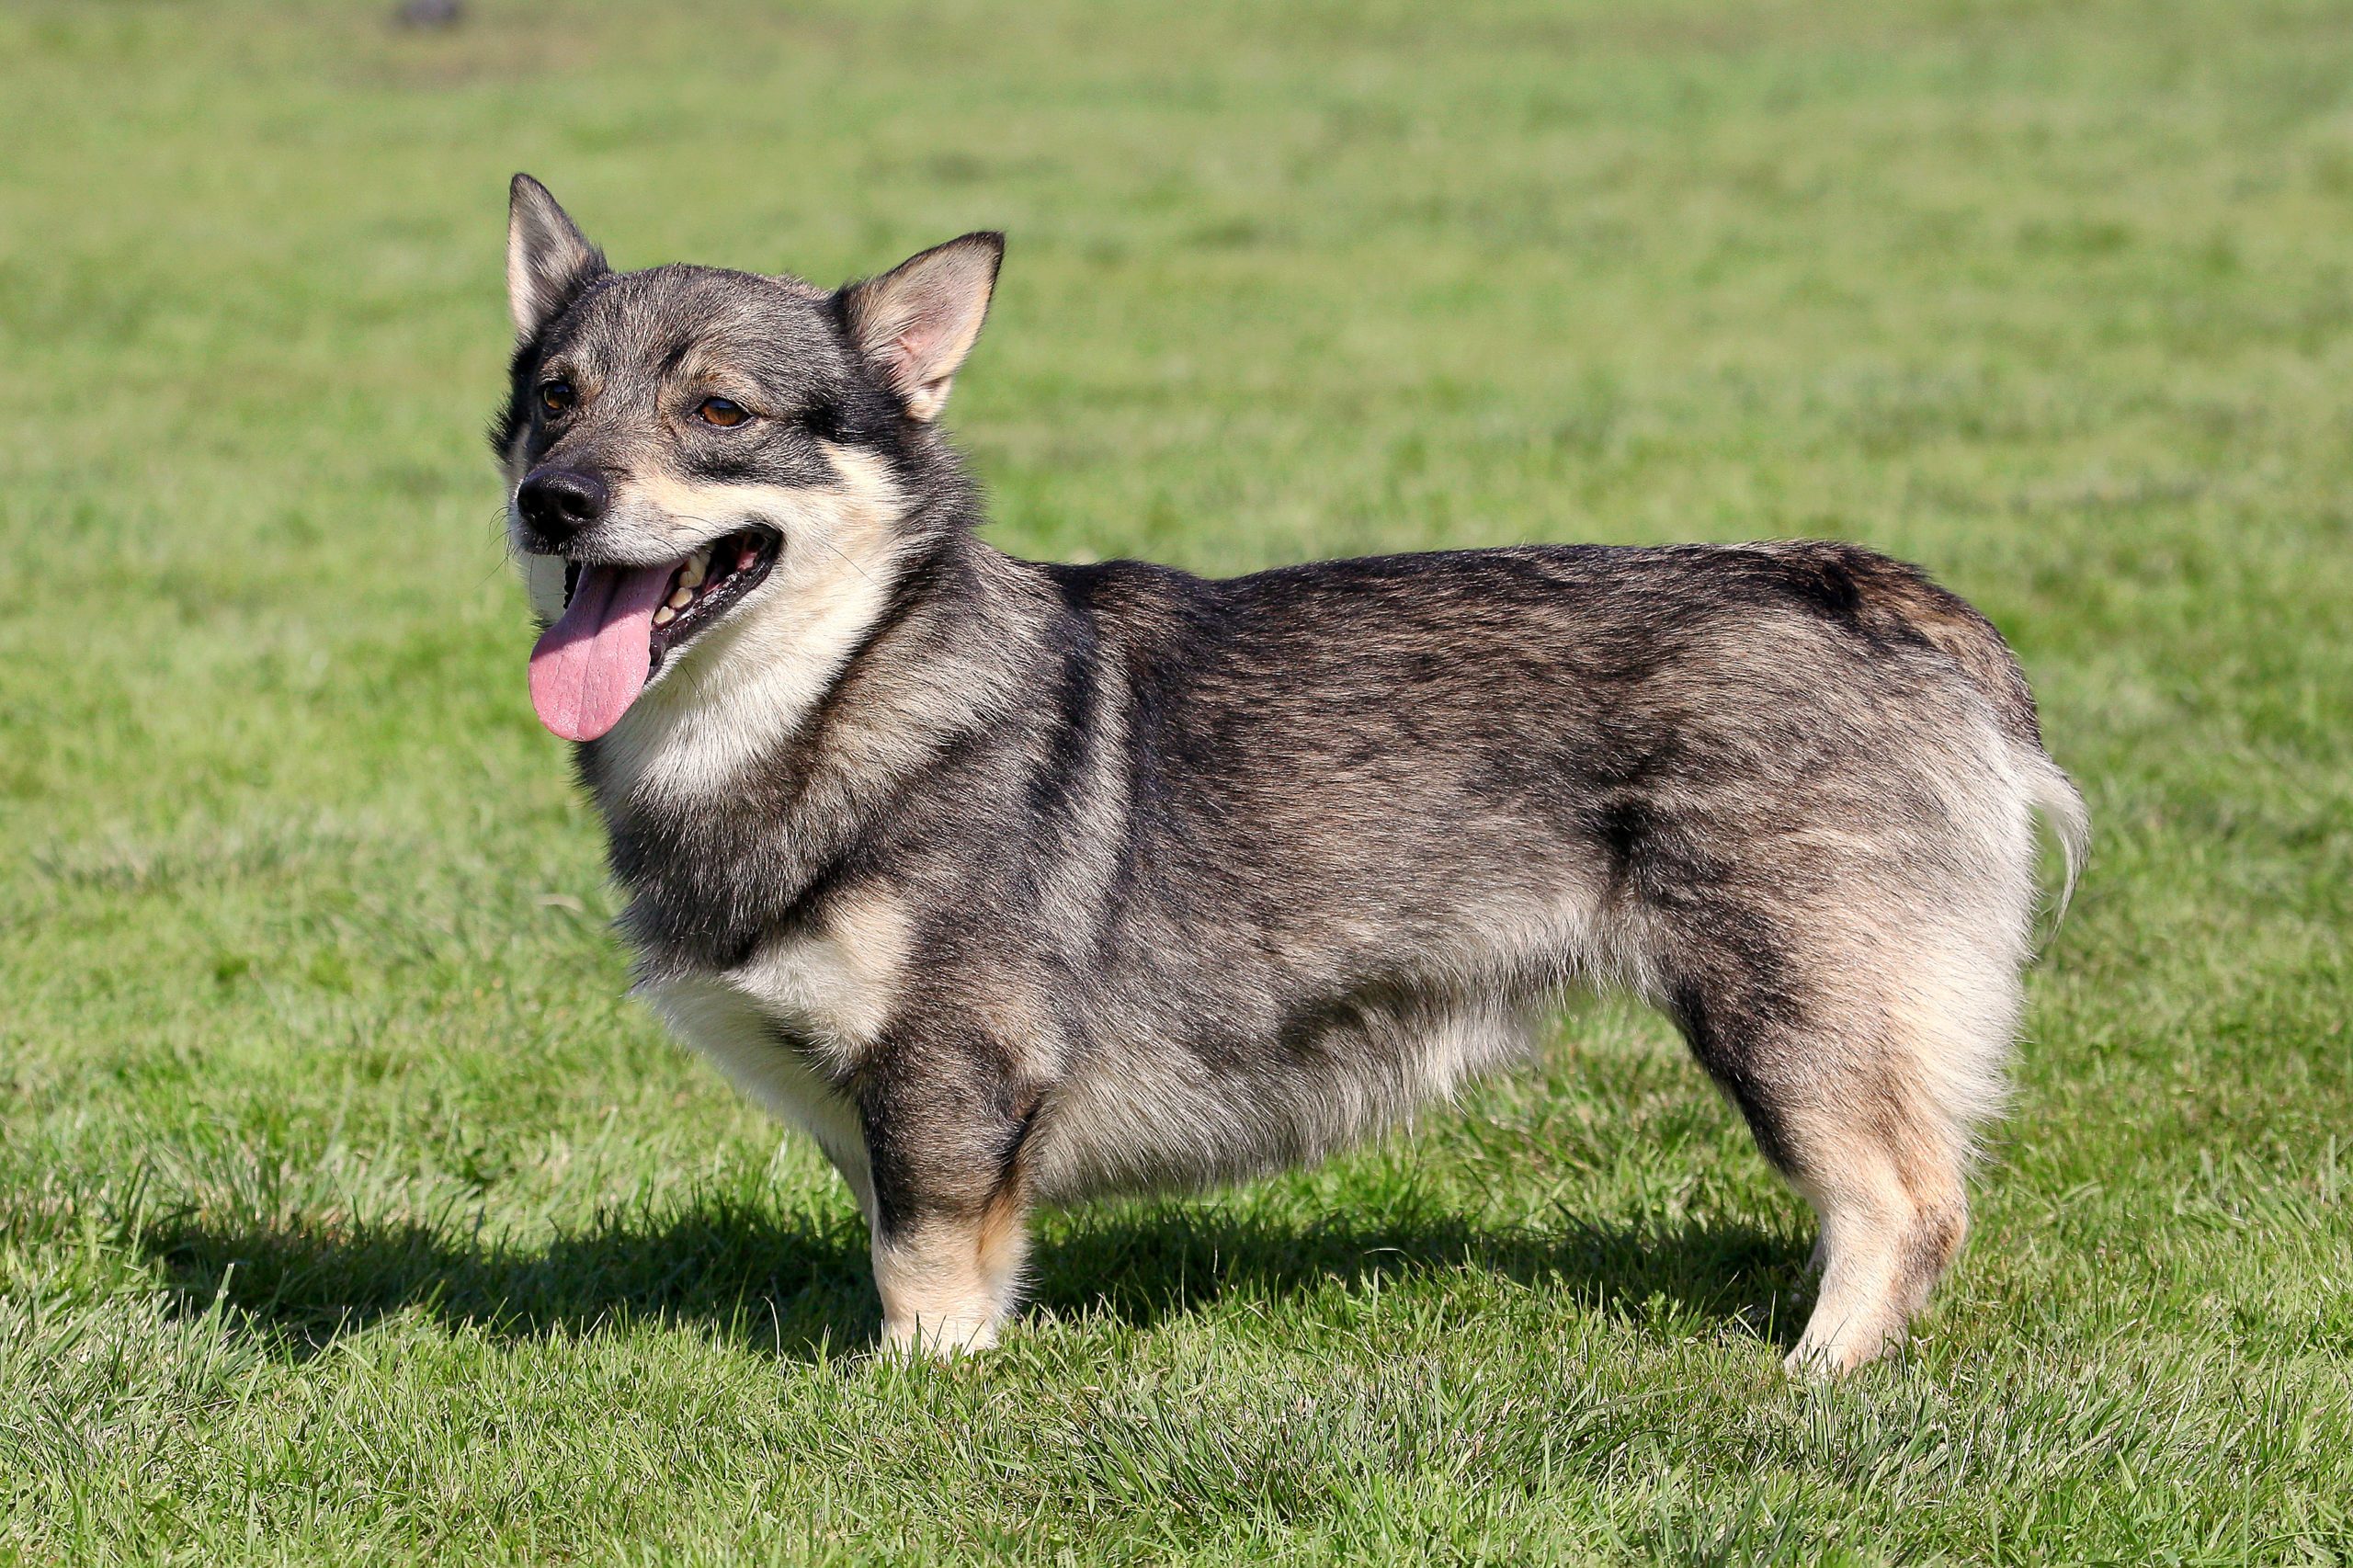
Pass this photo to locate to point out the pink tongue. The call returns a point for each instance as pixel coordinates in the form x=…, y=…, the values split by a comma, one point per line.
x=589, y=666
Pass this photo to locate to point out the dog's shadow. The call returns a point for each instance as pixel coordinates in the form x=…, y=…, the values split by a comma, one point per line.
x=797, y=1286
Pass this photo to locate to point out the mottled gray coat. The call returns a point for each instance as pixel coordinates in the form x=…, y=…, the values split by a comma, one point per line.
x=1014, y=882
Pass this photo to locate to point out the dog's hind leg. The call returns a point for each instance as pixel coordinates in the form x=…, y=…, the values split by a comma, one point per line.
x=1894, y=1210
x=1863, y=1085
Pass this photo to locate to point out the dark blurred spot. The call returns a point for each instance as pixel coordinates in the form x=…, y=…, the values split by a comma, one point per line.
x=424, y=13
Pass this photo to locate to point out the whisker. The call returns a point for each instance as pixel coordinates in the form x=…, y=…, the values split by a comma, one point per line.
x=853, y=565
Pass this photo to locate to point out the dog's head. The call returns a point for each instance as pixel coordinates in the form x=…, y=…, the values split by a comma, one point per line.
x=685, y=443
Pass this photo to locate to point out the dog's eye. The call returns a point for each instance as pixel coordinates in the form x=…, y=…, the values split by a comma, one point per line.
x=557, y=396
x=725, y=413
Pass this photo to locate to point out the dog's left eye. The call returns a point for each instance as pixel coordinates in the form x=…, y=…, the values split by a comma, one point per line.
x=557, y=396
x=725, y=413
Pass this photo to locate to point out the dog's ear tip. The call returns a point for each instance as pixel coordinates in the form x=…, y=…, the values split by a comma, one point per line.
x=989, y=240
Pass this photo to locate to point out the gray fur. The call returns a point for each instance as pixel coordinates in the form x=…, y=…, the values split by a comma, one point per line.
x=1017, y=882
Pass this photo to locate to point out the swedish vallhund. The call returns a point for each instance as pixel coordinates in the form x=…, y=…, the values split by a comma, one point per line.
x=1012, y=883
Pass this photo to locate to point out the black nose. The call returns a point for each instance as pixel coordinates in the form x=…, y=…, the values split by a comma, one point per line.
x=558, y=502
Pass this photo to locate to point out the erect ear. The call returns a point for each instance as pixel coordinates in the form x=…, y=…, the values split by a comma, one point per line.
x=917, y=321
x=548, y=261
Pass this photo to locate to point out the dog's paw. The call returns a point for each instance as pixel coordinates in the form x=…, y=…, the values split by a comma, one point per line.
x=938, y=1339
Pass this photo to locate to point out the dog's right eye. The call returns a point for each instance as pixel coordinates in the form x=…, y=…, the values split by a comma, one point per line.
x=557, y=396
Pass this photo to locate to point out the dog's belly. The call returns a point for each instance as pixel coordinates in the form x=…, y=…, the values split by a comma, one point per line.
x=757, y=1046
x=1288, y=1085
x=1145, y=1119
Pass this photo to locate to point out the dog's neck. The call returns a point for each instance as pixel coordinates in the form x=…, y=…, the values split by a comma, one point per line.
x=735, y=787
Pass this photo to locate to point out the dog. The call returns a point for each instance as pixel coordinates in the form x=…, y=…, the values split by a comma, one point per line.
x=1012, y=883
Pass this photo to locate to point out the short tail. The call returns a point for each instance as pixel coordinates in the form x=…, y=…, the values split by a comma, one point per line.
x=2054, y=794
x=1896, y=601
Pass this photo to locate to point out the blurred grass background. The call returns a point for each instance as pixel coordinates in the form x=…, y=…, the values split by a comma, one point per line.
x=347, y=1215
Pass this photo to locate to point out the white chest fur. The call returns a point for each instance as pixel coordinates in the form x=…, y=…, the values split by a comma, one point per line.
x=795, y=1016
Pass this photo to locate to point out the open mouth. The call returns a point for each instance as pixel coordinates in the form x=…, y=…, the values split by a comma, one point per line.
x=700, y=589
x=620, y=622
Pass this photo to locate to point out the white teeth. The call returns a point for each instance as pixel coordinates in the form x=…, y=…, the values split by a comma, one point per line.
x=665, y=616
x=697, y=564
x=682, y=598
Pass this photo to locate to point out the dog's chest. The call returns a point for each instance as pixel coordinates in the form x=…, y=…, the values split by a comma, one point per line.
x=794, y=1019
x=763, y=1037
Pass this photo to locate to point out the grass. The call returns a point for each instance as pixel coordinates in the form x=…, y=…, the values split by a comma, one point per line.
x=346, y=1214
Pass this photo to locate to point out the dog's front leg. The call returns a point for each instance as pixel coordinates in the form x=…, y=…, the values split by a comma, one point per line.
x=948, y=1281
x=945, y=1132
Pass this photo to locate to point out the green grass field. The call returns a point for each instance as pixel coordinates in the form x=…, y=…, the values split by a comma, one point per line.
x=348, y=1213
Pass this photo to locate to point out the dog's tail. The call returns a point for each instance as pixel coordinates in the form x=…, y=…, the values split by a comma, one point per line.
x=2061, y=804
x=1897, y=601
x=1952, y=626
